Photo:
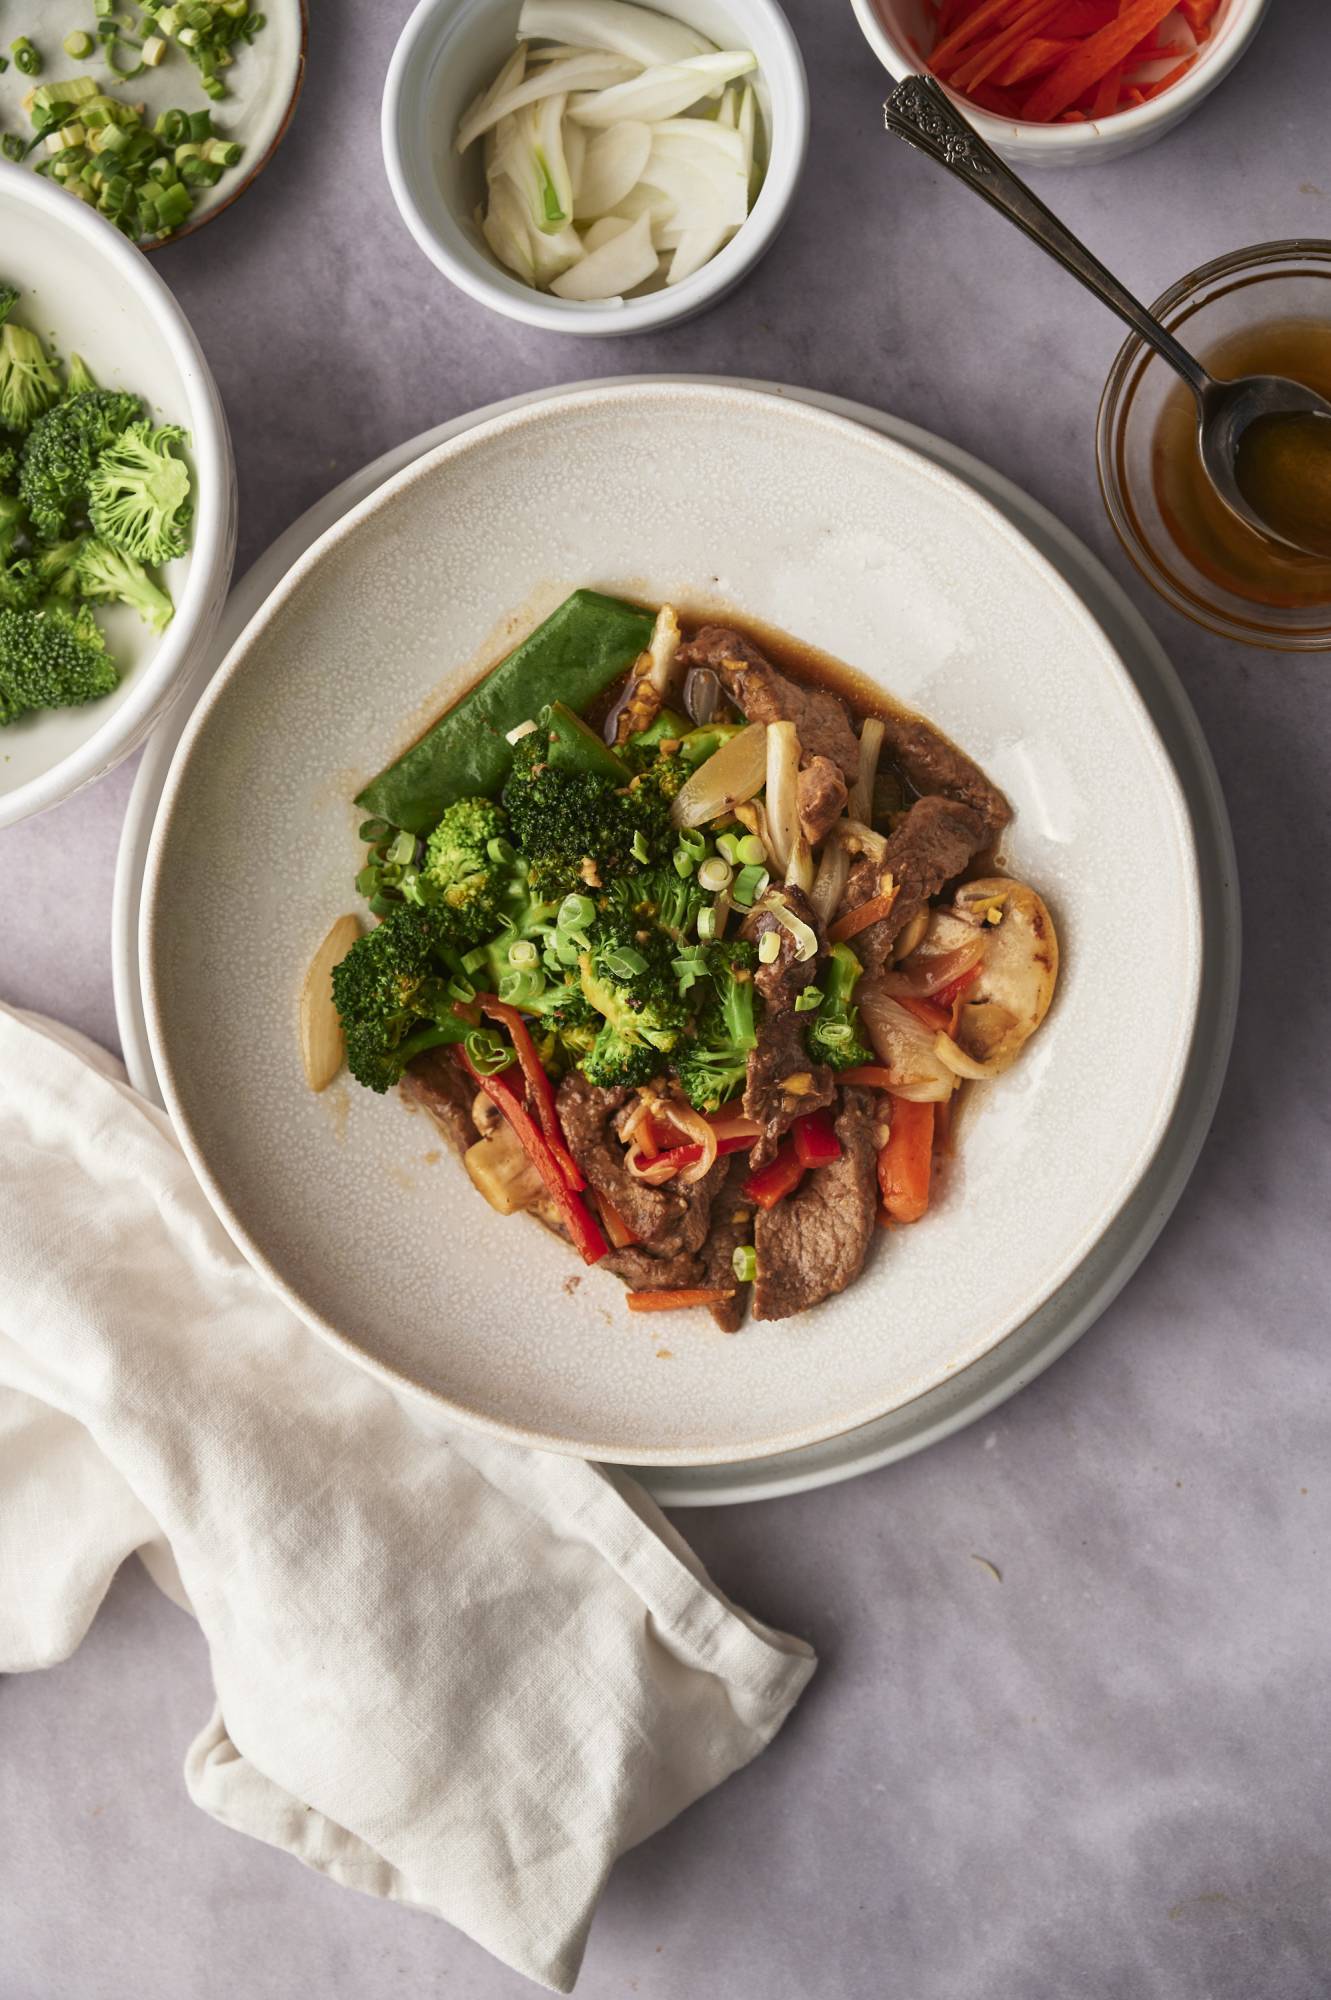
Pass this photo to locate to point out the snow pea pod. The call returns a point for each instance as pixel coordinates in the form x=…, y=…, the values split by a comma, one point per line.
x=574, y=656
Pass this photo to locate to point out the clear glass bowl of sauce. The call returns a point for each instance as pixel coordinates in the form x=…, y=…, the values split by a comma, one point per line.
x=1260, y=311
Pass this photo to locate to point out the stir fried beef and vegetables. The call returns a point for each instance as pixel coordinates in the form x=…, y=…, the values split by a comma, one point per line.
x=688, y=954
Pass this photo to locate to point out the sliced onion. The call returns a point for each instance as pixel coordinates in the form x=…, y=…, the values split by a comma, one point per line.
x=752, y=816
x=859, y=838
x=961, y=1064
x=655, y=1172
x=664, y=90
x=509, y=77
x=608, y=273
x=925, y=973
x=702, y=189
x=639, y=32
x=588, y=71
x=799, y=868
x=575, y=152
x=702, y=694
x=746, y=124
x=829, y=884
x=782, y=794
x=695, y=248
x=605, y=231
x=504, y=227
x=614, y=163
x=859, y=806
x=904, y=1046
x=697, y=1132
x=733, y=774
x=806, y=938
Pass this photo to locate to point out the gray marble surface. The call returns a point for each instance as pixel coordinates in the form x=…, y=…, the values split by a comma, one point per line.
x=1104, y=1777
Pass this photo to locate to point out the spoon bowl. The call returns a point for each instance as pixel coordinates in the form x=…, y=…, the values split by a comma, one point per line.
x=1286, y=459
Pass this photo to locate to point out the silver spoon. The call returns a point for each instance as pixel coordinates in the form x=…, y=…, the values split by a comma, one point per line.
x=920, y=111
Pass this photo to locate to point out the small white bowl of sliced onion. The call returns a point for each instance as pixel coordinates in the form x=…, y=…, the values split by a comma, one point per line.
x=591, y=166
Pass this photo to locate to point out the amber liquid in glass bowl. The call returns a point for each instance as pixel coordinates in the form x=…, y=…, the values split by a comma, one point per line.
x=1216, y=541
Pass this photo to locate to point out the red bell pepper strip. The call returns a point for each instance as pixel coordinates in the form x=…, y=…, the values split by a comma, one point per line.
x=928, y=1012
x=947, y=996
x=588, y=1238
x=538, y=1083
x=872, y=1076
x=816, y=1142
x=616, y=1228
x=679, y=1156
x=770, y=1184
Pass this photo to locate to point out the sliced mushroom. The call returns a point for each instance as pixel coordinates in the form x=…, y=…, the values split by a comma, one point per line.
x=1011, y=996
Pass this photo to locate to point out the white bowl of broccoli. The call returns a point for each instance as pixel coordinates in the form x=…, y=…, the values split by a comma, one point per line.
x=117, y=497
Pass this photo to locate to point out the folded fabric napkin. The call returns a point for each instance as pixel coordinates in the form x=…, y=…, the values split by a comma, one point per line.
x=448, y=1670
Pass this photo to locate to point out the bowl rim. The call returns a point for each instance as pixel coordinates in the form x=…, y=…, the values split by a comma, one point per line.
x=213, y=546
x=152, y=929
x=1218, y=57
x=1116, y=400
x=491, y=286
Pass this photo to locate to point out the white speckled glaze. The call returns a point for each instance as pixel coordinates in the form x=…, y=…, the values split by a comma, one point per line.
x=87, y=291
x=711, y=497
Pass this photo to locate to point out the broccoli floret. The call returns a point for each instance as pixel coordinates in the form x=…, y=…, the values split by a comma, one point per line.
x=615, y=1061
x=657, y=895
x=139, y=492
x=8, y=301
x=21, y=586
x=628, y=977
x=13, y=520
x=835, y=1034
x=9, y=464
x=61, y=451
x=51, y=659
x=580, y=830
x=78, y=376
x=115, y=575
x=391, y=997
x=28, y=382
x=714, y=1060
x=467, y=876
x=57, y=567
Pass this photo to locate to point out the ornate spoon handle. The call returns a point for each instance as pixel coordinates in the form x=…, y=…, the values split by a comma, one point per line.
x=920, y=112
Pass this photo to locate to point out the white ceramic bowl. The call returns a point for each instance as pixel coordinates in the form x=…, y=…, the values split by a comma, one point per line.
x=87, y=291
x=450, y=49
x=896, y=29
x=359, y=1213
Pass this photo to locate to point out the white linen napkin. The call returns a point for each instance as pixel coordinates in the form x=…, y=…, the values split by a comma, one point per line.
x=448, y=1671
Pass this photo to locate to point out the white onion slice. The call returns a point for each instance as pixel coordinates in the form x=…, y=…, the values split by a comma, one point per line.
x=615, y=268
x=860, y=803
x=904, y=1046
x=702, y=189
x=746, y=124
x=605, y=231
x=504, y=226
x=639, y=32
x=829, y=884
x=733, y=774
x=589, y=71
x=696, y=140
x=695, y=248
x=508, y=79
x=923, y=974
x=664, y=90
x=782, y=793
x=613, y=164
x=575, y=152
x=961, y=1064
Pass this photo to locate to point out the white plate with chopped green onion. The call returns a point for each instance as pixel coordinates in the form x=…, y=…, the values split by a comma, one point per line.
x=155, y=113
x=875, y=555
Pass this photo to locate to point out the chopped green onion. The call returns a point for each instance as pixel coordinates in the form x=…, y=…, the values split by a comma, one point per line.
x=575, y=913
x=472, y=961
x=501, y=850
x=566, y=951
x=489, y=1053
x=78, y=43
x=367, y=882
x=403, y=848
x=728, y=847
x=684, y=862
x=699, y=744
x=461, y=989
x=520, y=988
x=12, y=146
x=523, y=953
x=715, y=874
x=769, y=947
x=836, y=1032
x=744, y=1263
x=624, y=962
x=640, y=850
x=693, y=842
x=749, y=885
x=381, y=905
x=707, y=921
x=373, y=830
x=26, y=56
x=751, y=849
x=810, y=998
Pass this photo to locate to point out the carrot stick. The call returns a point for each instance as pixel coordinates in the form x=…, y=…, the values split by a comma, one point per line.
x=1040, y=52
x=685, y=1295
x=1164, y=82
x=985, y=60
x=1082, y=70
x=990, y=13
x=1106, y=92
x=905, y=1163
